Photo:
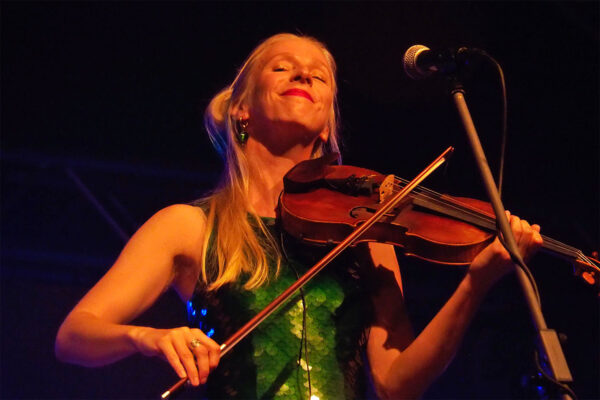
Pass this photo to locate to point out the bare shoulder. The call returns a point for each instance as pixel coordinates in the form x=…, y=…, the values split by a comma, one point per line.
x=181, y=214
x=182, y=230
x=180, y=225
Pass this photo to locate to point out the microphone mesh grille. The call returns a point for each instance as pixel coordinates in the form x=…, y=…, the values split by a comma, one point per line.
x=410, y=62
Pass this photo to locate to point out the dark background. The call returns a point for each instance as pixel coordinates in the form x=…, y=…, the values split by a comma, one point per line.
x=101, y=126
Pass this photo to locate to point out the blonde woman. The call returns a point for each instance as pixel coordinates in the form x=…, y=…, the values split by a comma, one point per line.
x=227, y=259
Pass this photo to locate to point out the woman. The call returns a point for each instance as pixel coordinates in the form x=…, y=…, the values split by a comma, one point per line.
x=226, y=255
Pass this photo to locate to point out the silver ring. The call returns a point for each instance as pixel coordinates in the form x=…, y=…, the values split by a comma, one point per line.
x=195, y=343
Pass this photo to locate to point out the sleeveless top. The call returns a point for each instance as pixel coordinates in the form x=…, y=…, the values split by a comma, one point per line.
x=271, y=361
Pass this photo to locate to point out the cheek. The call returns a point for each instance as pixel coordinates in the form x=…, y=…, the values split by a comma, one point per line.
x=266, y=93
x=261, y=102
x=327, y=103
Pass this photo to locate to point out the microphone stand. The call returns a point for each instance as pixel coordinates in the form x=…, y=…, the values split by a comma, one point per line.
x=549, y=344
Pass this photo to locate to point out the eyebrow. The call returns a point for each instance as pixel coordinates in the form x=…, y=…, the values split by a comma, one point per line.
x=293, y=55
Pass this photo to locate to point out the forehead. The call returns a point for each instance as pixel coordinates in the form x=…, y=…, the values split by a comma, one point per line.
x=296, y=48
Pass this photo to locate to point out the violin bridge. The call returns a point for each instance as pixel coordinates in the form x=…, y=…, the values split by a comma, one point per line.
x=386, y=189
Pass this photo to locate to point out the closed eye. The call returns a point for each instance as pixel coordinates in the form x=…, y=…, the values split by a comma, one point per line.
x=319, y=78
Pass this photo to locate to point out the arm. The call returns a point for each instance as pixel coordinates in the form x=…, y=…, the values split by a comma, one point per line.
x=96, y=331
x=404, y=366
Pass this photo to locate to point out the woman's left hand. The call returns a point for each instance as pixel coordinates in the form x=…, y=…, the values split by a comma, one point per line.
x=494, y=261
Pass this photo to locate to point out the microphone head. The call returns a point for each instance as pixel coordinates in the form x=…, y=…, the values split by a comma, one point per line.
x=410, y=62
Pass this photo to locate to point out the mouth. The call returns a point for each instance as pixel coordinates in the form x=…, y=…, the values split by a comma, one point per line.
x=298, y=92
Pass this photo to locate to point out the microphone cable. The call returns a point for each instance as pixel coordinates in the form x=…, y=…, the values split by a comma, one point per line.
x=563, y=387
x=496, y=64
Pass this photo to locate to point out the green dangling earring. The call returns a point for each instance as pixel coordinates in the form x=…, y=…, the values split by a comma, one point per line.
x=242, y=133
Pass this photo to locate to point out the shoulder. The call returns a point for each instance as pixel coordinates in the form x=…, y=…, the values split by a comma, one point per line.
x=177, y=227
x=176, y=235
x=180, y=214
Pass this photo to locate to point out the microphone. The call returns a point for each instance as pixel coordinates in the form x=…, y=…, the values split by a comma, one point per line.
x=420, y=61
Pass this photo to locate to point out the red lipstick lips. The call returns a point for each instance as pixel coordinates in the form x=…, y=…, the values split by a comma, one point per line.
x=298, y=92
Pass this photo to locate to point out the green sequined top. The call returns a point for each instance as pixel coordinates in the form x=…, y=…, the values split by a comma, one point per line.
x=270, y=363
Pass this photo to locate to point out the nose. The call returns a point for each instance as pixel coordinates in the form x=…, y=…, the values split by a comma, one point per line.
x=302, y=76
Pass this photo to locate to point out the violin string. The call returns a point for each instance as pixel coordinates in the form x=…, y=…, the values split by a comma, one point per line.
x=590, y=263
x=456, y=206
x=489, y=222
x=555, y=245
x=485, y=219
x=465, y=208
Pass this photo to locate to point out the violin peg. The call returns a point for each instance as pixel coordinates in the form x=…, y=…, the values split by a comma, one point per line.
x=589, y=277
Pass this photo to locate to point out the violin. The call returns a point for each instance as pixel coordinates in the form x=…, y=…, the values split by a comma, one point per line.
x=323, y=203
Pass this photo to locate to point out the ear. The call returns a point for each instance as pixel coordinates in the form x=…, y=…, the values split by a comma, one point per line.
x=324, y=135
x=240, y=112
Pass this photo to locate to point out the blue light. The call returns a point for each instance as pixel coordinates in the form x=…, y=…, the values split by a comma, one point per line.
x=190, y=307
x=193, y=313
x=541, y=392
x=210, y=333
x=203, y=311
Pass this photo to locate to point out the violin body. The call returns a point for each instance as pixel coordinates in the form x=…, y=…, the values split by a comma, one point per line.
x=311, y=211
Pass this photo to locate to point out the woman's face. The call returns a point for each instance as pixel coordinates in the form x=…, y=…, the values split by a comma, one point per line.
x=293, y=93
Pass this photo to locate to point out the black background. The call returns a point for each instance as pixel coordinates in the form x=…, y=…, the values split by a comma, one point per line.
x=101, y=118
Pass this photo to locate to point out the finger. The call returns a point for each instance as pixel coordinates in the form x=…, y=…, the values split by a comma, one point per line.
x=507, y=213
x=516, y=227
x=527, y=238
x=187, y=359
x=526, y=232
x=530, y=239
x=201, y=353
x=171, y=355
x=214, y=350
x=536, y=238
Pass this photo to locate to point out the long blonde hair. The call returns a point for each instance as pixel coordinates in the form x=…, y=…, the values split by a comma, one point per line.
x=231, y=245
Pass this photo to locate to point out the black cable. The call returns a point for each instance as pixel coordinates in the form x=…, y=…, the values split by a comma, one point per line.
x=304, y=335
x=521, y=264
x=517, y=260
x=504, y=116
x=550, y=379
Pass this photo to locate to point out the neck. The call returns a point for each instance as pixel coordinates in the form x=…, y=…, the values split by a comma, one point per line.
x=267, y=172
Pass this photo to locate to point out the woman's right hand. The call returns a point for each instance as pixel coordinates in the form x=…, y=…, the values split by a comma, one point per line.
x=175, y=345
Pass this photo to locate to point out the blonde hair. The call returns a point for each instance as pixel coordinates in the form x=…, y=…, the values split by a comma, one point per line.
x=233, y=246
